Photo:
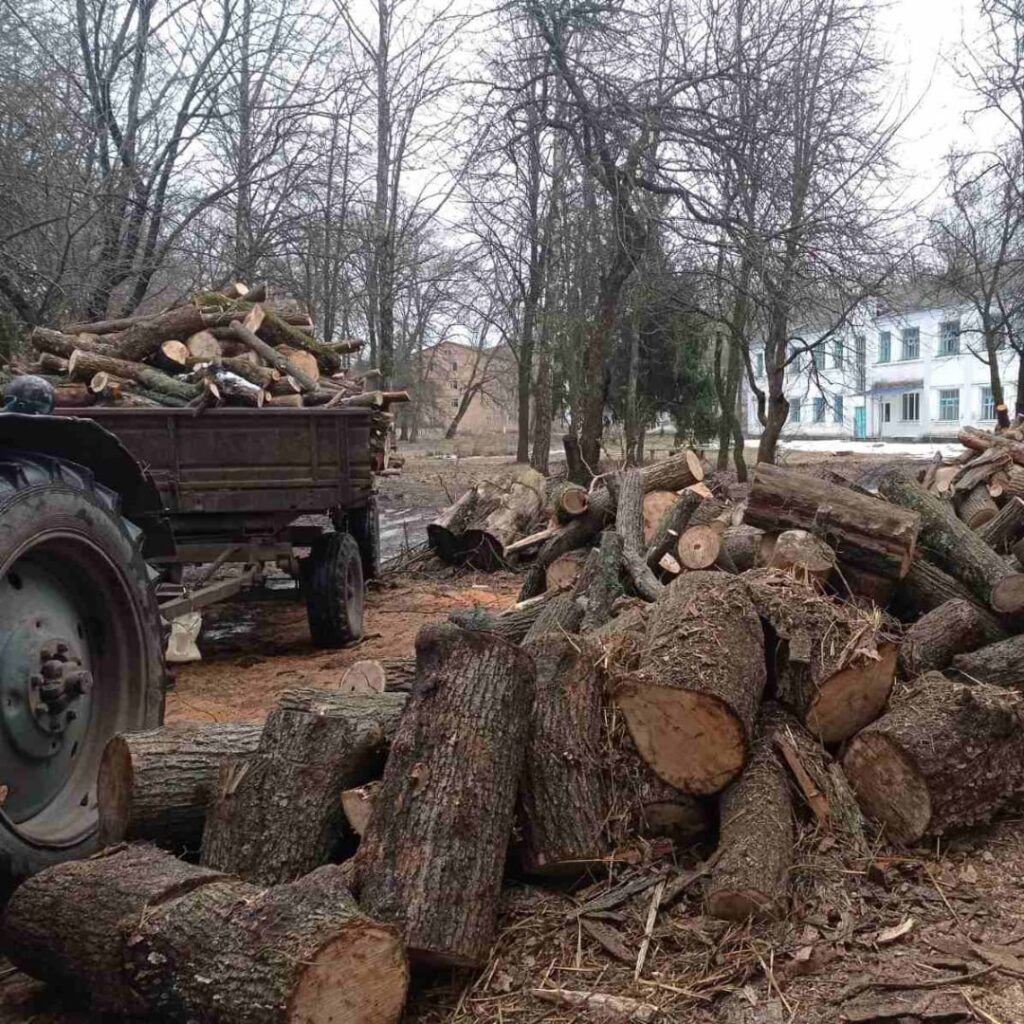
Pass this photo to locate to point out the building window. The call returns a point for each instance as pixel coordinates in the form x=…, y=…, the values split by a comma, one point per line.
x=455, y=364
x=949, y=404
x=887, y=412
x=885, y=346
x=949, y=338
x=988, y=404
x=455, y=385
x=794, y=410
x=455, y=403
x=911, y=406
x=759, y=364
x=819, y=410
x=837, y=354
x=861, y=346
x=820, y=357
x=911, y=339
x=837, y=409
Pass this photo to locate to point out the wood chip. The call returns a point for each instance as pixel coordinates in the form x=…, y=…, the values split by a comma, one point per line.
x=600, y=1005
x=887, y=935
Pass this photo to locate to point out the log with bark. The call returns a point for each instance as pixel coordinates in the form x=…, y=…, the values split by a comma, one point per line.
x=600, y=584
x=748, y=547
x=957, y=548
x=671, y=526
x=73, y=396
x=926, y=587
x=629, y=524
x=656, y=505
x=982, y=440
x=1005, y=528
x=276, y=814
x=863, y=531
x=944, y=756
x=512, y=624
x=144, y=336
x=976, y=507
x=272, y=358
x=559, y=617
x=156, y=785
x=953, y=628
x=692, y=703
x=171, y=357
x=445, y=533
x=834, y=665
x=62, y=345
x=804, y=555
x=750, y=879
x=998, y=664
x=565, y=570
x=137, y=931
x=205, y=346
x=432, y=857
x=568, y=500
x=84, y=365
x=485, y=538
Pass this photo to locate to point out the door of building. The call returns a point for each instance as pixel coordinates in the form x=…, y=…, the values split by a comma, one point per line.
x=860, y=422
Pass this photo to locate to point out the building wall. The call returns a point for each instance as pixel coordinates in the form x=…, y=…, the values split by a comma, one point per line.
x=928, y=374
x=449, y=371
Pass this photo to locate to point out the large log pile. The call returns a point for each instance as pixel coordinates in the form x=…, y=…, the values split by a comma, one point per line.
x=631, y=711
x=233, y=348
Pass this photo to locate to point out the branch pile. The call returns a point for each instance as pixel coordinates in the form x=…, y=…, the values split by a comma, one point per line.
x=230, y=348
x=738, y=713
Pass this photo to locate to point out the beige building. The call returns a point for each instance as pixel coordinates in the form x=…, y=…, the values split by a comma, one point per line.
x=488, y=375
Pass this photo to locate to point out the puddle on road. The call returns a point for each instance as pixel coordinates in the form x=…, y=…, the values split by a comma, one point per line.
x=402, y=528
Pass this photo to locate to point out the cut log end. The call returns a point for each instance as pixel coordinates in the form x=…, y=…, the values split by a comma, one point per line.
x=1007, y=596
x=853, y=697
x=804, y=554
x=889, y=787
x=357, y=977
x=698, y=547
x=691, y=740
x=113, y=792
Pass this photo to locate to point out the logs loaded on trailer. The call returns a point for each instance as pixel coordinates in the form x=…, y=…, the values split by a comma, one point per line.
x=215, y=349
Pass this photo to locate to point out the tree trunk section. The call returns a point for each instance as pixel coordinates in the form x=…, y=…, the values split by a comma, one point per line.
x=944, y=756
x=976, y=508
x=558, y=617
x=955, y=627
x=699, y=547
x=926, y=587
x=834, y=668
x=433, y=855
x=156, y=785
x=957, y=548
x=486, y=537
x=982, y=440
x=1002, y=531
x=83, y=366
x=671, y=526
x=143, y=337
x=575, y=470
x=748, y=547
x=600, y=583
x=692, y=703
x=751, y=877
x=276, y=814
x=998, y=664
x=511, y=625
x=863, y=531
x=563, y=796
x=629, y=524
x=804, y=555
x=568, y=500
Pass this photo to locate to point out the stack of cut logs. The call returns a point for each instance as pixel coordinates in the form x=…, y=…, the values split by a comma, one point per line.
x=220, y=348
x=634, y=700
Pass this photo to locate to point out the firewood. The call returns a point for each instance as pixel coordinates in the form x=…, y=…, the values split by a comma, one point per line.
x=565, y=569
x=276, y=329
x=83, y=366
x=835, y=668
x=979, y=470
x=629, y=524
x=600, y=584
x=982, y=440
x=944, y=756
x=804, y=555
x=50, y=363
x=364, y=677
x=748, y=547
x=567, y=501
x=276, y=815
x=62, y=345
x=558, y=617
x=357, y=805
x=171, y=357
x=863, y=531
x=999, y=664
x=698, y=547
x=155, y=785
x=1012, y=481
x=145, y=336
x=656, y=505
x=511, y=624
x=432, y=857
x=750, y=879
x=562, y=793
x=926, y=587
x=270, y=356
x=671, y=525
x=262, y=376
x=952, y=628
x=1005, y=528
x=957, y=548
x=305, y=361
x=203, y=345
x=73, y=396
x=485, y=538
x=234, y=389
x=445, y=534
x=691, y=705
x=976, y=507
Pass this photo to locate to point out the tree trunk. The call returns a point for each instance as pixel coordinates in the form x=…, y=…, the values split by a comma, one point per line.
x=748, y=547
x=485, y=538
x=699, y=547
x=433, y=855
x=566, y=569
x=444, y=534
x=84, y=365
x=575, y=470
x=982, y=440
x=600, y=585
x=559, y=617
x=864, y=531
x=751, y=876
x=203, y=345
x=629, y=524
x=568, y=500
x=957, y=548
x=511, y=625
x=277, y=814
x=1002, y=531
x=271, y=356
x=72, y=396
x=944, y=756
x=833, y=666
x=671, y=526
x=143, y=337
x=953, y=628
x=563, y=795
x=998, y=664
x=692, y=703
x=926, y=587
x=63, y=345
x=976, y=508
x=156, y=785
x=804, y=555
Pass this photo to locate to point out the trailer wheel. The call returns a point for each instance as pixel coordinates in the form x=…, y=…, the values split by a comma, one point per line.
x=80, y=655
x=334, y=591
x=364, y=525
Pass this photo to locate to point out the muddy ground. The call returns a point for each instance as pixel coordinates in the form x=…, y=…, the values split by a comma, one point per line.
x=929, y=934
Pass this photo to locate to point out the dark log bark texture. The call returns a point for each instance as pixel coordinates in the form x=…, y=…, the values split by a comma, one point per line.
x=957, y=548
x=156, y=785
x=751, y=876
x=277, y=813
x=953, y=628
x=945, y=755
x=600, y=583
x=692, y=703
x=629, y=524
x=144, y=337
x=1006, y=528
x=863, y=531
x=998, y=664
x=558, y=617
x=486, y=537
x=85, y=365
x=433, y=855
x=511, y=625
x=748, y=547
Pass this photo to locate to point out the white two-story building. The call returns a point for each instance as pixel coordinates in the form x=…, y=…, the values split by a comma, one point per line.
x=907, y=374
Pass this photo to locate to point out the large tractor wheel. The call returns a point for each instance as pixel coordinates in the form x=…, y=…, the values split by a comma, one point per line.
x=333, y=581
x=364, y=526
x=80, y=655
